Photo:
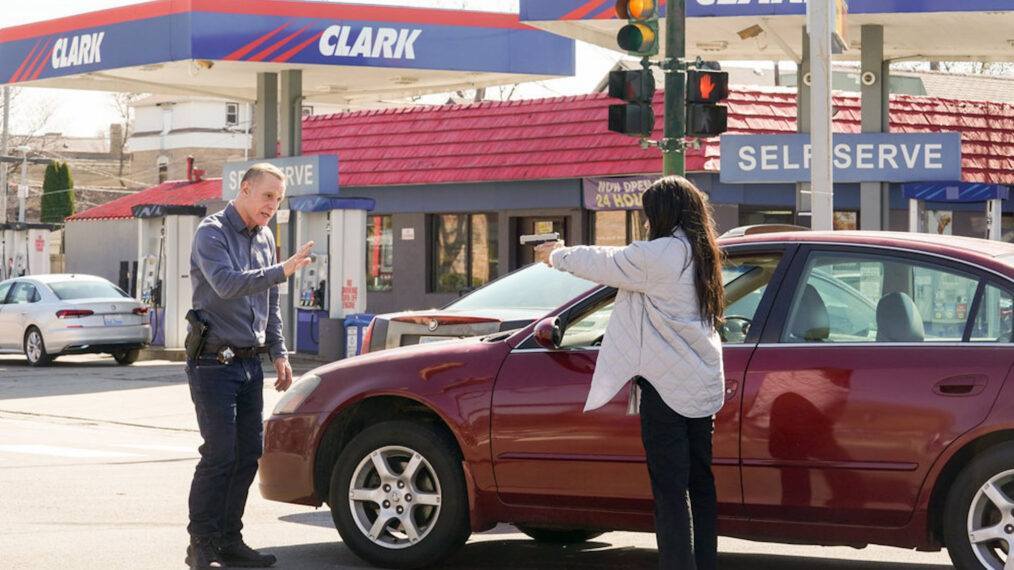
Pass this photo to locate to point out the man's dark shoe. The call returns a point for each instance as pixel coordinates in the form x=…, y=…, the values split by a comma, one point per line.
x=202, y=552
x=238, y=554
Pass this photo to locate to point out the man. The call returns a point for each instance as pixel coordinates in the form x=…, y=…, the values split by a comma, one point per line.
x=235, y=280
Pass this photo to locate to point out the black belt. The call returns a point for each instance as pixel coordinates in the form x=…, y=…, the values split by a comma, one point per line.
x=238, y=352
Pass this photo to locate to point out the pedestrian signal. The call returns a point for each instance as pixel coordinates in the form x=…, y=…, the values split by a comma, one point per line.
x=705, y=88
x=635, y=117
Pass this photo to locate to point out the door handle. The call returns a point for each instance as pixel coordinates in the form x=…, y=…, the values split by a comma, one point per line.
x=963, y=385
x=731, y=386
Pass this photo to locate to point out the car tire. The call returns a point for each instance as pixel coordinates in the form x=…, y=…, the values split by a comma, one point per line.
x=126, y=357
x=559, y=535
x=35, y=348
x=398, y=495
x=979, y=513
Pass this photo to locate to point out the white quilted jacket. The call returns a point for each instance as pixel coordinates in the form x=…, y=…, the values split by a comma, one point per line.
x=655, y=330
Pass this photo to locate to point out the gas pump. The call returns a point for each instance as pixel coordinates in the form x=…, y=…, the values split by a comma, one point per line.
x=313, y=284
x=147, y=268
x=25, y=249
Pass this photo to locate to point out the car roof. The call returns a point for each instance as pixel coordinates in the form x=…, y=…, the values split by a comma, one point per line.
x=962, y=246
x=57, y=277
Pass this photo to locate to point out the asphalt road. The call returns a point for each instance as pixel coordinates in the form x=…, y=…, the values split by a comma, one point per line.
x=96, y=461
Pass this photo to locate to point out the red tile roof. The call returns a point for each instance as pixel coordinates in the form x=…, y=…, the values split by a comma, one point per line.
x=178, y=192
x=566, y=137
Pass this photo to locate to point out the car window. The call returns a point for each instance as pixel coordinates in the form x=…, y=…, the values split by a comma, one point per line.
x=536, y=286
x=993, y=319
x=4, y=289
x=590, y=328
x=86, y=289
x=872, y=298
x=24, y=292
x=746, y=278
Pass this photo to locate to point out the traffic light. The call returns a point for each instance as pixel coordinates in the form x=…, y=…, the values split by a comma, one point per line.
x=640, y=35
x=635, y=117
x=705, y=88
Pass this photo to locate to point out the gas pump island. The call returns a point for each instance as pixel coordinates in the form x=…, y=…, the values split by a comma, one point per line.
x=333, y=285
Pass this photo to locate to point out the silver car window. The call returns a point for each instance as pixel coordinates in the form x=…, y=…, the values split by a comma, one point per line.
x=86, y=290
x=24, y=293
x=4, y=289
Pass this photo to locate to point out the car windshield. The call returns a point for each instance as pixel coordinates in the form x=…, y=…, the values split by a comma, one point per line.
x=536, y=286
x=67, y=290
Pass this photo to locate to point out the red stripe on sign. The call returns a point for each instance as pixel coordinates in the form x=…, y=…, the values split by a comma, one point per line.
x=93, y=20
x=14, y=78
x=38, y=56
x=43, y=64
x=285, y=56
x=250, y=46
x=274, y=47
x=362, y=12
x=584, y=10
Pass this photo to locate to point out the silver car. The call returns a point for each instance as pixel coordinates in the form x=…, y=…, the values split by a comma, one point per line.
x=45, y=316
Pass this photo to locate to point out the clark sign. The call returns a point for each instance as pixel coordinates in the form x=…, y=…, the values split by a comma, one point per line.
x=866, y=157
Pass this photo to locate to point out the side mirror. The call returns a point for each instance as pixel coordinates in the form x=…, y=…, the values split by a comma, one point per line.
x=549, y=333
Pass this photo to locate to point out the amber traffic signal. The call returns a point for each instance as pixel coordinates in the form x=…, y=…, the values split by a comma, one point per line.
x=640, y=35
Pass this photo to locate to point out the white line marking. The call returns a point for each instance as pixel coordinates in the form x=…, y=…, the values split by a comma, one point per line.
x=153, y=447
x=63, y=451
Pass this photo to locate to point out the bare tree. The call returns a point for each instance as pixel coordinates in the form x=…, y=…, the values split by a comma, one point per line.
x=124, y=104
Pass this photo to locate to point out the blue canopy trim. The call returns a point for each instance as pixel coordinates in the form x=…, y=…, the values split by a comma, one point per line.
x=326, y=204
x=955, y=191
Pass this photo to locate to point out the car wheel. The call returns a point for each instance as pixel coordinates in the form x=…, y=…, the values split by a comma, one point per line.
x=35, y=348
x=398, y=495
x=559, y=535
x=127, y=356
x=979, y=514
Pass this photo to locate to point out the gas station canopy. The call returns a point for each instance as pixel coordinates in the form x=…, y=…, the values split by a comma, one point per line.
x=345, y=52
x=932, y=30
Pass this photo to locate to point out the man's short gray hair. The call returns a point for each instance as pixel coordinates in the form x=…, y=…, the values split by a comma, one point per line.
x=260, y=169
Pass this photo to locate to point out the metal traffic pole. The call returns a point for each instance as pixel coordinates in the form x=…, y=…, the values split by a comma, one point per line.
x=674, y=126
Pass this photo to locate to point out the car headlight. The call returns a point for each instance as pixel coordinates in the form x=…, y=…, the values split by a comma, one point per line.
x=297, y=394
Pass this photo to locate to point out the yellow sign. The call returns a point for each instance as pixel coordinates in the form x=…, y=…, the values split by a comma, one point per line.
x=840, y=36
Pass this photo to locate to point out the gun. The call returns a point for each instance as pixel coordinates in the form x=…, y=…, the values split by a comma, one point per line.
x=196, y=336
x=538, y=239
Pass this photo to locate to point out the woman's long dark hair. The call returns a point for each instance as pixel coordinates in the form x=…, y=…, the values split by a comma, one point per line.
x=674, y=203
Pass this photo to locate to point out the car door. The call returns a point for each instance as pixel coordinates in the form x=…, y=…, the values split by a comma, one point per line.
x=14, y=313
x=547, y=452
x=865, y=373
x=8, y=336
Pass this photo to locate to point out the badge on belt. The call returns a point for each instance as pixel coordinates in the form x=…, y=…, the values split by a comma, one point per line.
x=225, y=355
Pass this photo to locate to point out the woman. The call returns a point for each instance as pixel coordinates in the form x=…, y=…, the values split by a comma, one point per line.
x=662, y=334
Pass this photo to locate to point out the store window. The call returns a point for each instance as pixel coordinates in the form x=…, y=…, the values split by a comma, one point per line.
x=463, y=251
x=618, y=227
x=753, y=215
x=379, y=253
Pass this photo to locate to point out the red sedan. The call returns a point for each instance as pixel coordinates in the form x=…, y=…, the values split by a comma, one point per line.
x=866, y=403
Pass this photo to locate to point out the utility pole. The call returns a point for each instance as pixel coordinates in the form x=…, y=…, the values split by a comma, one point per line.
x=23, y=187
x=3, y=150
x=674, y=127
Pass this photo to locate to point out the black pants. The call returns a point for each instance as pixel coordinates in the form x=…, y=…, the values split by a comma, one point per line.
x=678, y=450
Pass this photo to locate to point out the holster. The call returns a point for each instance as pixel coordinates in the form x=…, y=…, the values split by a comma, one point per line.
x=197, y=335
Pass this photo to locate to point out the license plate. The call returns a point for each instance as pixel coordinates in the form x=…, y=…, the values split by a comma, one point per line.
x=112, y=320
x=424, y=339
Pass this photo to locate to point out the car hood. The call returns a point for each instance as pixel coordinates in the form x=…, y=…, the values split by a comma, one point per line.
x=496, y=313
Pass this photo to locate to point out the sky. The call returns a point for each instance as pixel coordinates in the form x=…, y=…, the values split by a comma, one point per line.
x=88, y=113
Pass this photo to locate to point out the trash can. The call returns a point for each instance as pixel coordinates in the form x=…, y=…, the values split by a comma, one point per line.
x=355, y=327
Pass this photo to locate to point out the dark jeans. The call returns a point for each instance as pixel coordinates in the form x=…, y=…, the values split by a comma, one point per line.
x=229, y=401
x=678, y=450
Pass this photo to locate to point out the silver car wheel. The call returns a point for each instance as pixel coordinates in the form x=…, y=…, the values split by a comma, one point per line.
x=34, y=346
x=991, y=521
x=395, y=497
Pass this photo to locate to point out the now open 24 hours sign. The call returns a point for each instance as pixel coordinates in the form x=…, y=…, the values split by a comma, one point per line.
x=866, y=157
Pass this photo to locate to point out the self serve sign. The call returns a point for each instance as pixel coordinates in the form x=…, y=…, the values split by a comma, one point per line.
x=866, y=157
